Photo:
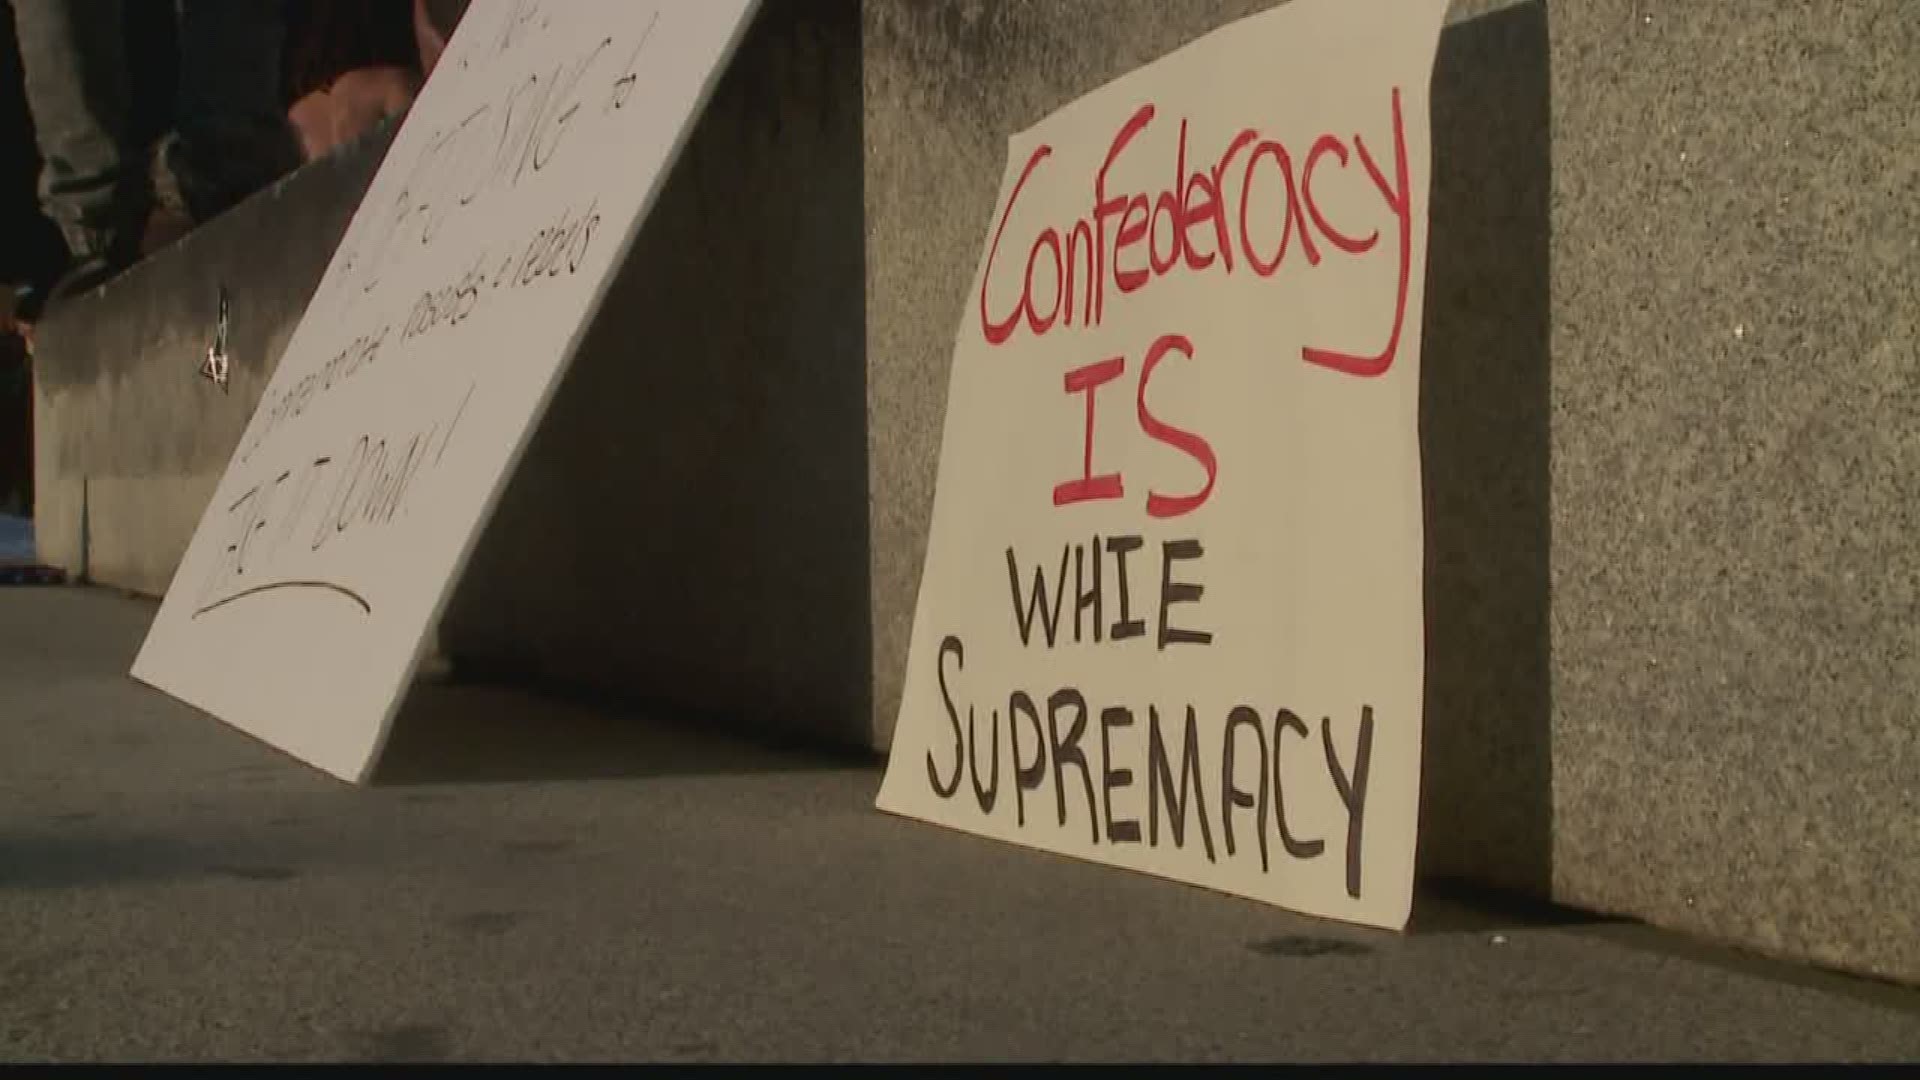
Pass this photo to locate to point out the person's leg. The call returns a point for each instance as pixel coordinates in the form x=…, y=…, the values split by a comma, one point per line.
x=73, y=56
x=231, y=136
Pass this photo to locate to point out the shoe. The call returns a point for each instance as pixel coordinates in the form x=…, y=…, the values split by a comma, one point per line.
x=31, y=268
x=33, y=250
x=35, y=302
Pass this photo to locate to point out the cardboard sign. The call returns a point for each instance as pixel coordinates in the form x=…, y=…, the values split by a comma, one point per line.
x=428, y=353
x=1171, y=613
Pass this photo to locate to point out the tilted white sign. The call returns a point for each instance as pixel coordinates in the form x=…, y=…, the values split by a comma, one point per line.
x=1171, y=612
x=408, y=392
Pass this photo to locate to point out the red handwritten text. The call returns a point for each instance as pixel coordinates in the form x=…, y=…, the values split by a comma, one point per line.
x=1217, y=217
x=1088, y=487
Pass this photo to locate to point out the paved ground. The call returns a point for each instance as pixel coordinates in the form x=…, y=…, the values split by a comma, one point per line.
x=170, y=889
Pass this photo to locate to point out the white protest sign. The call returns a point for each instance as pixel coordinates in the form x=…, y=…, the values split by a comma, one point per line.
x=1171, y=613
x=408, y=392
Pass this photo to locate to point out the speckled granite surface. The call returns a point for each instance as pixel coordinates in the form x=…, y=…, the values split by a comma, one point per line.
x=1736, y=432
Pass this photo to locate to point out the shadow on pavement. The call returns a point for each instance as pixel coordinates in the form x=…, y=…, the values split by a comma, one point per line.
x=75, y=855
x=1452, y=906
x=477, y=732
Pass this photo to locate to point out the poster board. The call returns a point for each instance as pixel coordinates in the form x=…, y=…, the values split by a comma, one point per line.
x=1171, y=613
x=426, y=357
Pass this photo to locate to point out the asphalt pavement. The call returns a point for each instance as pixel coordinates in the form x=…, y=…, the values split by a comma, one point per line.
x=543, y=880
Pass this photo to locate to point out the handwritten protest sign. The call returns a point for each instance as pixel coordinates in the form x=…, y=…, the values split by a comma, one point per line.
x=428, y=353
x=1171, y=614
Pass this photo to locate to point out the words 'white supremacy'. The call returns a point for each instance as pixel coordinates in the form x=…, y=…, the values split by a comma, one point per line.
x=1171, y=614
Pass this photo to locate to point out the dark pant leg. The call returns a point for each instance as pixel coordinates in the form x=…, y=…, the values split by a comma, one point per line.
x=231, y=136
x=92, y=182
